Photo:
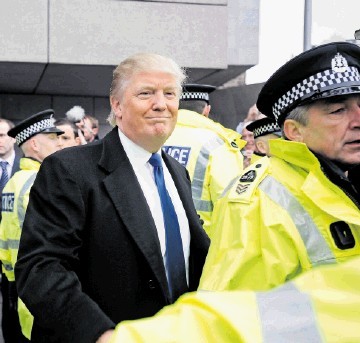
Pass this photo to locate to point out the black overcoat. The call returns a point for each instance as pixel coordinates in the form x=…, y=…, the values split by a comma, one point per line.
x=89, y=254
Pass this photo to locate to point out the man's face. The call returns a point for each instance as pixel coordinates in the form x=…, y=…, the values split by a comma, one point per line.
x=6, y=142
x=47, y=144
x=333, y=129
x=248, y=136
x=147, y=110
x=67, y=139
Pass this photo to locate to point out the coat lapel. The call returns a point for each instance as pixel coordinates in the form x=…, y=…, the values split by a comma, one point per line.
x=130, y=203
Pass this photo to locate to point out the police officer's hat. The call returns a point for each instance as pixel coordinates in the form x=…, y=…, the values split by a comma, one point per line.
x=192, y=91
x=327, y=70
x=42, y=122
x=264, y=126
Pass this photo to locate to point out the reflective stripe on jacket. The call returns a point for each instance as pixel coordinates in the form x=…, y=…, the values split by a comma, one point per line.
x=211, y=154
x=283, y=216
x=321, y=305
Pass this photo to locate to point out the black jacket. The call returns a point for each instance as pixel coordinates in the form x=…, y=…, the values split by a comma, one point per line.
x=89, y=254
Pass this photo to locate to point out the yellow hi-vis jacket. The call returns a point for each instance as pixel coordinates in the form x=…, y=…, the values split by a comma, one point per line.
x=321, y=305
x=15, y=199
x=282, y=217
x=211, y=154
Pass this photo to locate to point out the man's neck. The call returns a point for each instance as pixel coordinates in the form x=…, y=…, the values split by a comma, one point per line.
x=7, y=155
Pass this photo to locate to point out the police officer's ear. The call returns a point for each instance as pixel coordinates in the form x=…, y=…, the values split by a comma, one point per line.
x=293, y=130
x=261, y=146
x=33, y=143
x=206, y=110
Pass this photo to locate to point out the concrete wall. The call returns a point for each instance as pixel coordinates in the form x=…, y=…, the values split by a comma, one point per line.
x=106, y=31
x=60, y=53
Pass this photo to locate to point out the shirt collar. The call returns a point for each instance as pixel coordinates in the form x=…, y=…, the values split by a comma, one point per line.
x=10, y=159
x=136, y=154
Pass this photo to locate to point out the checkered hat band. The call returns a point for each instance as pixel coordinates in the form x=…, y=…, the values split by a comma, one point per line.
x=266, y=129
x=194, y=96
x=312, y=85
x=40, y=126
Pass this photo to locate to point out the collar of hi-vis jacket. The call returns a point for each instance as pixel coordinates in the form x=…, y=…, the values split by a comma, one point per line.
x=28, y=163
x=317, y=186
x=295, y=153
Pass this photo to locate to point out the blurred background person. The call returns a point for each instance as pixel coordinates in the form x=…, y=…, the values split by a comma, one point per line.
x=209, y=151
x=87, y=129
x=249, y=148
x=94, y=124
x=76, y=114
x=9, y=159
x=37, y=138
x=252, y=114
x=70, y=137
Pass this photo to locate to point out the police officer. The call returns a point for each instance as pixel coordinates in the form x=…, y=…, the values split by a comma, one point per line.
x=209, y=151
x=37, y=138
x=298, y=208
x=321, y=305
x=263, y=130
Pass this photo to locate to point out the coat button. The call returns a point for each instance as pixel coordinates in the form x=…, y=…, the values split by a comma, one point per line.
x=151, y=284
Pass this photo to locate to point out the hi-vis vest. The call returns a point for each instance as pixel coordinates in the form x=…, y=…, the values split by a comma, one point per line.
x=321, y=305
x=210, y=153
x=15, y=199
x=281, y=217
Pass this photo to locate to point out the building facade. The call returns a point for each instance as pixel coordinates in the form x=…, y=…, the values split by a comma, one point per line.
x=61, y=53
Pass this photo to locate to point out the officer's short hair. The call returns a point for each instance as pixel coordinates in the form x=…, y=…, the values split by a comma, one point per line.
x=193, y=105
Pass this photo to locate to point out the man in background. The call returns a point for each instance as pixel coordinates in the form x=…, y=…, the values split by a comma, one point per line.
x=88, y=126
x=209, y=151
x=70, y=137
x=94, y=127
x=9, y=160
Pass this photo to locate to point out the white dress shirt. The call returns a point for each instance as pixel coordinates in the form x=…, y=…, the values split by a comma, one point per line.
x=139, y=159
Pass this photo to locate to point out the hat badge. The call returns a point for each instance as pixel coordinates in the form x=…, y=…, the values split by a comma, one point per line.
x=52, y=120
x=339, y=64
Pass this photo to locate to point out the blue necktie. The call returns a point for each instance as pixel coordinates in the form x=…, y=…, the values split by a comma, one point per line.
x=4, y=175
x=174, y=250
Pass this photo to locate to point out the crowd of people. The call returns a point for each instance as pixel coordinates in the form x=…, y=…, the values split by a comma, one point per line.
x=175, y=228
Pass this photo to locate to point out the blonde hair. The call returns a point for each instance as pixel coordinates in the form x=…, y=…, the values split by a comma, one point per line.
x=143, y=62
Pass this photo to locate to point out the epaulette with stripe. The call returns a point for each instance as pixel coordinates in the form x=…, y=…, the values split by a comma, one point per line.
x=243, y=189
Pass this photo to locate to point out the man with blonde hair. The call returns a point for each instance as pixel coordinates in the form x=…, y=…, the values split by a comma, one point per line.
x=120, y=237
